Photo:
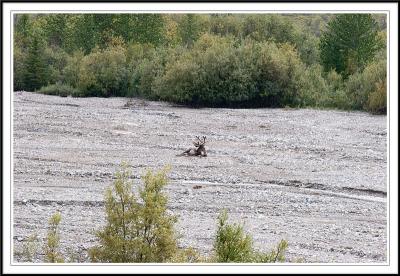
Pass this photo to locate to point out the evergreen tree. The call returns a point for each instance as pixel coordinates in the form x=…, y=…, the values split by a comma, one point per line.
x=349, y=43
x=35, y=67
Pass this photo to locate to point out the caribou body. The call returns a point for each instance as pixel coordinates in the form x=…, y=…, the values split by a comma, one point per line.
x=198, y=150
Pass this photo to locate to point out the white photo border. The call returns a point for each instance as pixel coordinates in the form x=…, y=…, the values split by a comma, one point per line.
x=391, y=9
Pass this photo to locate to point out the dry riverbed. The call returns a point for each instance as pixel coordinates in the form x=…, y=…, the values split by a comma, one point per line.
x=315, y=178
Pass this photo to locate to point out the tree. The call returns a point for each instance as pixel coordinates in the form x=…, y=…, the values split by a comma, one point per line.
x=36, y=71
x=136, y=231
x=349, y=43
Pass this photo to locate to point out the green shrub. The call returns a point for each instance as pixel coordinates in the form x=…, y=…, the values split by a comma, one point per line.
x=376, y=103
x=232, y=244
x=103, y=73
x=322, y=90
x=56, y=61
x=72, y=68
x=360, y=85
x=19, y=69
x=274, y=256
x=59, y=89
x=30, y=248
x=137, y=229
x=51, y=249
x=147, y=68
x=225, y=72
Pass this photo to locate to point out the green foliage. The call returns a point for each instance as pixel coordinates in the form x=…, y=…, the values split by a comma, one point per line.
x=216, y=60
x=23, y=30
x=51, y=249
x=349, y=43
x=54, y=28
x=323, y=90
x=59, y=89
x=30, y=248
x=360, y=85
x=232, y=244
x=19, y=59
x=103, y=72
x=71, y=71
x=35, y=71
x=223, y=72
x=55, y=60
x=377, y=102
x=276, y=255
x=138, y=228
x=189, y=29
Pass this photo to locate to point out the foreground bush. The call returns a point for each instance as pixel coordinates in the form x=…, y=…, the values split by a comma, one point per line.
x=52, y=245
x=233, y=245
x=59, y=89
x=138, y=228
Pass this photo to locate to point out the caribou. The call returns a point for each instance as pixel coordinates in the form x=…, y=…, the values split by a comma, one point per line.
x=198, y=150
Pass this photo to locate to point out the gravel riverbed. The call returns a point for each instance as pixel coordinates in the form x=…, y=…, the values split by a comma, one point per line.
x=315, y=178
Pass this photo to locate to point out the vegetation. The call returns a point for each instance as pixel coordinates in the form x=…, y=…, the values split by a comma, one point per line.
x=136, y=231
x=216, y=60
x=349, y=43
x=52, y=245
x=232, y=245
x=59, y=89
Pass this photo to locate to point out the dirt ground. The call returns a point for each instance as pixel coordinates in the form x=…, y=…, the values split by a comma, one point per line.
x=315, y=178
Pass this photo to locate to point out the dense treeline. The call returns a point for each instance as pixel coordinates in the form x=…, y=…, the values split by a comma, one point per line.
x=220, y=60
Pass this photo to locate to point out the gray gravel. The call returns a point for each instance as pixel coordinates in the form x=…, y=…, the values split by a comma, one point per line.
x=316, y=178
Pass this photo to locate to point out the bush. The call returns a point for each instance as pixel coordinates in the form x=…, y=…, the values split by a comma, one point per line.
x=72, y=68
x=19, y=69
x=30, y=248
x=103, y=73
x=360, y=85
x=136, y=231
x=51, y=249
x=233, y=245
x=222, y=72
x=59, y=89
x=322, y=90
x=147, y=66
x=56, y=60
x=376, y=103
